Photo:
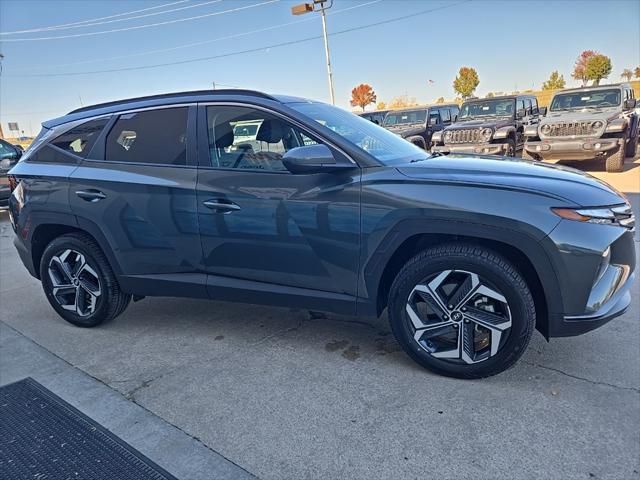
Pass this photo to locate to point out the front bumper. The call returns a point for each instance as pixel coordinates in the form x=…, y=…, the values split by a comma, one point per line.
x=574, y=149
x=478, y=148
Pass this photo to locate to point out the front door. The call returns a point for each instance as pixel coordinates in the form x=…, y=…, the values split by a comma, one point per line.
x=259, y=222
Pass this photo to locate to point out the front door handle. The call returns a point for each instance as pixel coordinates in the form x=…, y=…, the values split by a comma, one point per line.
x=91, y=195
x=220, y=206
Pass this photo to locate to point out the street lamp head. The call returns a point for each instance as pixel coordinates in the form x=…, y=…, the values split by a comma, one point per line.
x=302, y=8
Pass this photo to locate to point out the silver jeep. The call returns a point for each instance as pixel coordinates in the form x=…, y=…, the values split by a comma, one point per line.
x=587, y=123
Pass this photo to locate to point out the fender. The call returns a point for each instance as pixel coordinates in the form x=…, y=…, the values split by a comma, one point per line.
x=522, y=242
x=504, y=132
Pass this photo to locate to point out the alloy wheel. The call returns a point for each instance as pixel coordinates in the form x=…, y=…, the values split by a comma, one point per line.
x=75, y=284
x=458, y=316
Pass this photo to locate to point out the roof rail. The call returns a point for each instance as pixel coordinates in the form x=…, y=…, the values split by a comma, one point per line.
x=228, y=91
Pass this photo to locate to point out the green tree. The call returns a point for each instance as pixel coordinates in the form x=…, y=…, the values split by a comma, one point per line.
x=440, y=100
x=555, y=82
x=466, y=82
x=491, y=95
x=381, y=105
x=598, y=67
x=626, y=74
x=636, y=72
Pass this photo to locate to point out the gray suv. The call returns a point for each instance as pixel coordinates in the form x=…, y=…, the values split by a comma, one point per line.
x=587, y=123
x=177, y=195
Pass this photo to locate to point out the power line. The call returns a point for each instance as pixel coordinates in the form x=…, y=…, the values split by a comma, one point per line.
x=64, y=25
x=205, y=42
x=83, y=25
x=251, y=50
x=137, y=27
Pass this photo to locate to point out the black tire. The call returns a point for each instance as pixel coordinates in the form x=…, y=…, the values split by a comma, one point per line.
x=615, y=162
x=108, y=304
x=527, y=156
x=631, y=147
x=511, y=148
x=487, y=265
x=418, y=142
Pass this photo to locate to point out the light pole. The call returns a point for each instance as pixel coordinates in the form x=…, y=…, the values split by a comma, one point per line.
x=311, y=7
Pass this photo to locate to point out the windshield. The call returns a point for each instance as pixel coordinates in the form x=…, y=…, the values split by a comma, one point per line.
x=405, y=117
x=580, y=100
x=385, y=146
x=487, y=108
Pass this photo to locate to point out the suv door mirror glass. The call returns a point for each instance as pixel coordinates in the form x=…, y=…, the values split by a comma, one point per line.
x=542, y=111
x=309, y=159
x=520, y=113
x=630, y=103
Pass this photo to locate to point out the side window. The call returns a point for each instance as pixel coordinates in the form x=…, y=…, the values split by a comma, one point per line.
x=534, y=106
x=434, y=117
x=527, y=105
x=154, y=136
x=80, y=139
x=519, y=105
x=247, y=138
x=454, y=113
x=445, y=115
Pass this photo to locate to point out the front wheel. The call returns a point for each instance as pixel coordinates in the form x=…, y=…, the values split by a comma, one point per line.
x=462, y=311
x=615, y=161
x=511, y=148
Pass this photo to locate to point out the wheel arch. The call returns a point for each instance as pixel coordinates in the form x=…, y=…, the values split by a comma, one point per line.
x=526, y=253
x=49, y=226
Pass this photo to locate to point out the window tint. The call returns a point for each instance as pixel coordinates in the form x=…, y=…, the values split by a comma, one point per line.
x=527, y=105
x=445, y=115
x=155, y=136
x=80, y=139
x=534, y=106
x=454, y=113
x=434, y=117
x=519, y=105
x=246, y=138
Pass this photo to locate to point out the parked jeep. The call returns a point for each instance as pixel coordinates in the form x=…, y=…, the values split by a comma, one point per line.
x=491, y=126
x=418, y=124
x=587, y=123
x=376, y=116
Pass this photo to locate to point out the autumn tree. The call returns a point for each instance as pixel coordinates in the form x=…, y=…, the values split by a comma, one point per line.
x=636, y=72
x=580, y=67
x=362, y=95
x=466, y=82
x=627, y=74
x=555, y=82
x=381, y=105
x=598, y=67
x=402, y=101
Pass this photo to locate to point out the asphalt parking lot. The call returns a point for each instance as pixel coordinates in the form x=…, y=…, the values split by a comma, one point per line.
x=281, y=393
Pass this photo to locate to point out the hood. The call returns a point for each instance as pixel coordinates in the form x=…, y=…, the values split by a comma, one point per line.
x=494, y=123
x=556, y=181
x=581, y=115
x=406, y=130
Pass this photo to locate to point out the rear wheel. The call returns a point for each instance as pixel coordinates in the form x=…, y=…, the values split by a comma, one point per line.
x=462, y=311
x=79, y=282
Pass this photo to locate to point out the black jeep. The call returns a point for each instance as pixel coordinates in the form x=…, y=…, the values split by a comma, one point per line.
x=418, y=124
x=491, y=126
x=377, y=116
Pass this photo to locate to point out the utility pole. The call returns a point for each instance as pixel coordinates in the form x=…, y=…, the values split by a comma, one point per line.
x=322, y=6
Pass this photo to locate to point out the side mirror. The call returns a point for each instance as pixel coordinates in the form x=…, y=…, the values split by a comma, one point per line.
x=542, y=111
x=310, y=159
x=630, y=103
x=520, y=113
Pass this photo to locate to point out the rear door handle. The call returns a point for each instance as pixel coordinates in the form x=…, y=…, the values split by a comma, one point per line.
x=221, y=207
x=91, y=195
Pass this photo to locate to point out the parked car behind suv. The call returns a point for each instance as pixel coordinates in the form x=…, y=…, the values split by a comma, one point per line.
x=418, y=124
x=376, y=116
x=326, y=211
x=587, y=123
x=9, y=155
x=491, y=126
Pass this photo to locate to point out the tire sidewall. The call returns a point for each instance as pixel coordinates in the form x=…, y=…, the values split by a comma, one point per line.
x=517, y=301
x=56, y=247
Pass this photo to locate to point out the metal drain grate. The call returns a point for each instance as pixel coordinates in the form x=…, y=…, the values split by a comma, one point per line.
x=42, y=437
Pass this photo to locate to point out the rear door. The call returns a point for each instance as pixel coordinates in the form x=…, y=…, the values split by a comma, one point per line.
x=137, y=187
x=261, y=223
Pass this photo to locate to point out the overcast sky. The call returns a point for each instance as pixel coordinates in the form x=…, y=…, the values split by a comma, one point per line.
x=513, y=45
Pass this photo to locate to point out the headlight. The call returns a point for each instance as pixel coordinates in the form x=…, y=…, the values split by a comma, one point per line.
x=617, y=125
x=597, y=125
x=620, y=216
x=5, y=164
x=486, y=134
x=545, y=129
